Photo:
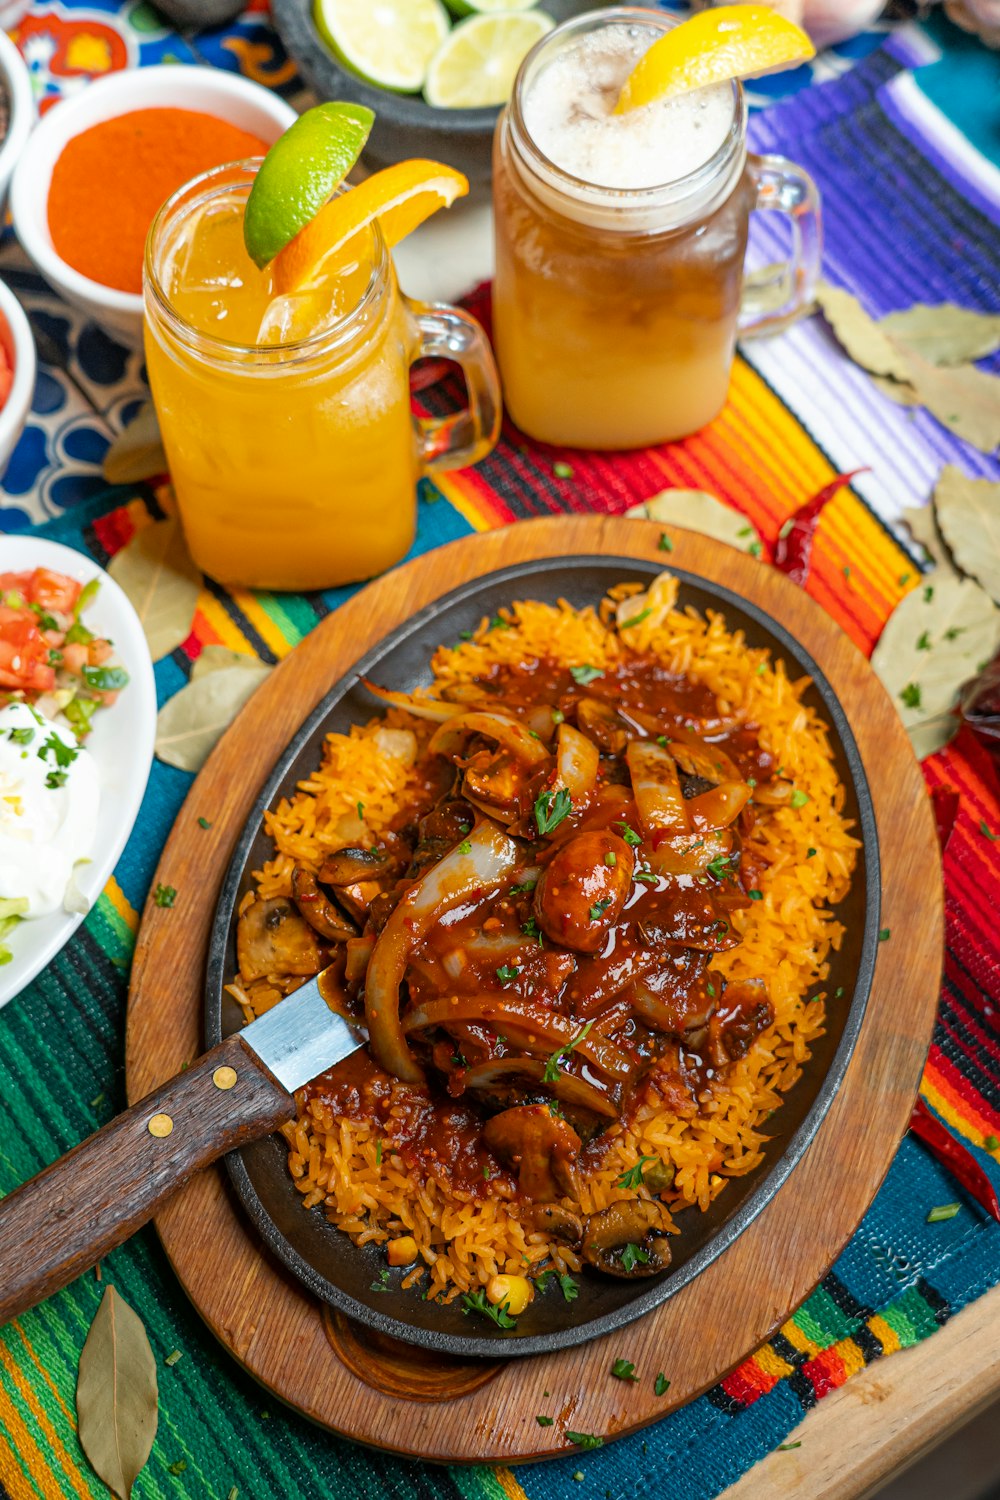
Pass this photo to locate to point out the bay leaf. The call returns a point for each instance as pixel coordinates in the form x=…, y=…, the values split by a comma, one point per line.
x=137, y=451
x=968, y=515
x=698, y=511
x=964, y=399
x=218, y=658
x=860, y=336
x=936, y=638
x=116, y=1395
x=946, y=334
x=162, y=583
x=924, y=528
x=897, y=390
x=190, y=724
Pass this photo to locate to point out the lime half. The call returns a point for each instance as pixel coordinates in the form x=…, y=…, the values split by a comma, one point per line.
x=386, y=42
x=487, y=7
x=300, y=172
x=477, y=64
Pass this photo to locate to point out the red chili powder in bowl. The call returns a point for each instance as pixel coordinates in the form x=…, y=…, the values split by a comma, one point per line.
x=110, y=180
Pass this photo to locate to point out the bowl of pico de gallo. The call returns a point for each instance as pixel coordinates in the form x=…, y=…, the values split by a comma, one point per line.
x=77, y=722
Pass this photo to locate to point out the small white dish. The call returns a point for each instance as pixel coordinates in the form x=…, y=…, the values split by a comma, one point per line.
x=237, y=100
x=121, y=744
x=19, y=346
x=16, y=83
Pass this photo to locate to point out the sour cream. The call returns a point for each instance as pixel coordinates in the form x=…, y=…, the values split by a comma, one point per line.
x=49, y=797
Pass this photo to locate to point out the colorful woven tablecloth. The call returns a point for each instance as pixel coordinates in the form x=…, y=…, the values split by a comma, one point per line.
x=913, y=212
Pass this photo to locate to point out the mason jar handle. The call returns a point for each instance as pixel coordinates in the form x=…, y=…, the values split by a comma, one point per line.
x=784, y=188
x=466, y=436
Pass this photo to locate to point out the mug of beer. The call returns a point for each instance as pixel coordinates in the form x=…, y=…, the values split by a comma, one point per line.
x=620, y=242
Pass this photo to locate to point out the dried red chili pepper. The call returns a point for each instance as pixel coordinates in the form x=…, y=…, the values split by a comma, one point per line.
x=954, y=1158
x=793, y=549
x=979, y=706
x=944, y=800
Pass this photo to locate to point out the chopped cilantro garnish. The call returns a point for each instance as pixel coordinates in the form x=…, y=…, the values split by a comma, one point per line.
x=165, y=895
x=928, y=593
x=599, y=908
x=661, y=1384
x=665, y=544
x=544, y=1421
x=633, y=1255
x=924, y=641
x=520, y=890
x=624, y=1369
x=507, y=973
x=530, y=929
x=477, y=1302
x=629, y=835
x=987, y=832
x=585, y=1440
x=884, y=935
x=633, y=1178
x=583, y=675
x=721, y=865
x=810, y=853
x=755, y=895
x=499, y=623
x=22, y=736
x=204, y=823
x=551, y=808
x=552, y=1066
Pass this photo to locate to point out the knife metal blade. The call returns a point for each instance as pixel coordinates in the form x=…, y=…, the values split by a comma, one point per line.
x=301, y=1037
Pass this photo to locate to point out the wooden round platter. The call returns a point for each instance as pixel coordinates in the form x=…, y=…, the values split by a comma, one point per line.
x=430, y=1406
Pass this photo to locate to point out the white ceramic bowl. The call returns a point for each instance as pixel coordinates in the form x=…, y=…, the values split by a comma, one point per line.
x=174, y=86
x=19, y=347
x=16, y=84
x=121, y=744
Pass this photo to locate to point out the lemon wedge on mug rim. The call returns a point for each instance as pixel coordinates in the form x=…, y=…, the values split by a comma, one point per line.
x=399, y=197
x=715, y=46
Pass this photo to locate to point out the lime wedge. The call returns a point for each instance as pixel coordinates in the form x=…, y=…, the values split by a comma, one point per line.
x=386, y=42
x=487, y=7
x=477, y=64
x=300, y=172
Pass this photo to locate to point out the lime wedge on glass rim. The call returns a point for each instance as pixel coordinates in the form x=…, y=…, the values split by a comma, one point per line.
x=386, y=42
x=300, y=172
x=477, y=64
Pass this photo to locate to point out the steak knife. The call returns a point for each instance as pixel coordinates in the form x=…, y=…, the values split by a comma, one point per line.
x=91, y=1200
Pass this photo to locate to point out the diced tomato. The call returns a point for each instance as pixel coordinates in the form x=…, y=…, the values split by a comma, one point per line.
x=24, y=656
x=54, y=590
x=43, y=587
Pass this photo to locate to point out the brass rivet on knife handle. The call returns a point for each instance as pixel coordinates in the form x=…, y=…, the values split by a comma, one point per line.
x=160, y=1126
x=224, y=1078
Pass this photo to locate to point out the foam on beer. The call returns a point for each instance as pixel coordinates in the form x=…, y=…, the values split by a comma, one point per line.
x=569, y=115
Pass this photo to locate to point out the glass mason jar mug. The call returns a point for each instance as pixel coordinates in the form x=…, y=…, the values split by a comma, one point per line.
x=616, y=309
x=295, y=460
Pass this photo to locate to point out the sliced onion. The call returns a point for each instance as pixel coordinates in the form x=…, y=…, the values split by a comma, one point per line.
x=567, y=1088
x=688, y=854
x=484, y=869
x=578, y=759
x=656, y=786
x=508, y=1013
x=718, y=808
x=450, y=739
x=358, y=952
x=420, y=708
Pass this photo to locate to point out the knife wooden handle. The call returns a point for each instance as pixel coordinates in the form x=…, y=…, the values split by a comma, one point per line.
x=70, y=1215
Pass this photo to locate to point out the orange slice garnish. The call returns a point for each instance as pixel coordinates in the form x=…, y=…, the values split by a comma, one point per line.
x=732, y=41
x=399, y=197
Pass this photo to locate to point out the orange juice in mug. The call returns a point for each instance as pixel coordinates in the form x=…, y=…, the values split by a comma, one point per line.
x=286, y=418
